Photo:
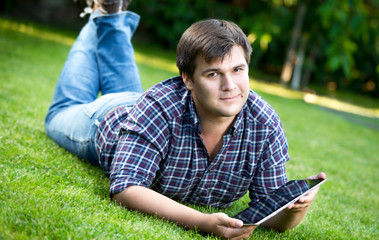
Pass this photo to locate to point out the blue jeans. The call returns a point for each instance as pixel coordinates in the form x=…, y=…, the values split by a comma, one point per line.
x=100, y=61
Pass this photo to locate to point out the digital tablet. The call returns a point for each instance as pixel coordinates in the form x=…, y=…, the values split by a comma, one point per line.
x=278, y=200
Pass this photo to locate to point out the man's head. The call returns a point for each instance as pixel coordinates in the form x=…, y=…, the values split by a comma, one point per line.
x=213, y=58
x=210, y=40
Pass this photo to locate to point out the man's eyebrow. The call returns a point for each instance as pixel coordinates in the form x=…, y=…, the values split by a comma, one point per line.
x=218, y=69
x=210, y=70
x=241, y=65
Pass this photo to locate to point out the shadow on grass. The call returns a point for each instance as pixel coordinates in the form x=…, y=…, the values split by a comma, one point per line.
x=370, y=122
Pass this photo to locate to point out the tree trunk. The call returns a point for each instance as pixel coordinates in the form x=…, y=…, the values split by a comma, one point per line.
x=291, y=53
x=296, y=79
x=309, y=66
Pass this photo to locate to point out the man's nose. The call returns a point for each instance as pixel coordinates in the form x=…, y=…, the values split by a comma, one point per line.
x=228, y=82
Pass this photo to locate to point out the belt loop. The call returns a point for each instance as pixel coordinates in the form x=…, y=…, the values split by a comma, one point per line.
x=97, y=123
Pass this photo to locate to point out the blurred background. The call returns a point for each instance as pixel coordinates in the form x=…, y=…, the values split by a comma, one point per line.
x=313, y=45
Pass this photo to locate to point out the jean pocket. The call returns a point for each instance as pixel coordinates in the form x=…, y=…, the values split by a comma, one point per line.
x=91, y=108
x=109, y=101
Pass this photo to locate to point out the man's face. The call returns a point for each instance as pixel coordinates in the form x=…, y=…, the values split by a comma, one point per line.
x=220, y=88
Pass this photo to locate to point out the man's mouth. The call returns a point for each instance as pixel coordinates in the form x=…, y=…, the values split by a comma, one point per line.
x=231, y=98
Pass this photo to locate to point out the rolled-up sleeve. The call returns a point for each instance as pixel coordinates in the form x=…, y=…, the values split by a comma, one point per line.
x=142, y=144
x=135, y=163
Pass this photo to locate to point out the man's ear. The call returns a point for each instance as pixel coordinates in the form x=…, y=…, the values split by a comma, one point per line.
x=187, y=81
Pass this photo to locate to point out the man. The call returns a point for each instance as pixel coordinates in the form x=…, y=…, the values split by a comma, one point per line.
x=203, y=137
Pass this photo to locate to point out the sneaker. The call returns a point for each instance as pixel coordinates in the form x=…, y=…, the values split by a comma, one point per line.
x=87, y=10
x=105, y=6
x=109, y=6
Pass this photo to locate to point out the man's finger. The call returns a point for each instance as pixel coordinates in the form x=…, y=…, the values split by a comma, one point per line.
x=236, y=223
x=321, y=175
x=240, y=233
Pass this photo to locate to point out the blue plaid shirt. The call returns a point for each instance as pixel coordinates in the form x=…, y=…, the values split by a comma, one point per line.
x=157, y=144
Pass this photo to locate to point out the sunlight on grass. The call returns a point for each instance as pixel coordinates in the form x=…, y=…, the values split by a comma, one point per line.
x=274, y=89
x=156, y=62
x=327, y=102
x=340, y=106
x=32, y=31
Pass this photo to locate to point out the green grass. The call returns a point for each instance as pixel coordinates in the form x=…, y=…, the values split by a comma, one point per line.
x=46, y=192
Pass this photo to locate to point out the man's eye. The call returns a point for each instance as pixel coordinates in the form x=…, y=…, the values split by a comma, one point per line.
x=214, y=74
x=238, y=69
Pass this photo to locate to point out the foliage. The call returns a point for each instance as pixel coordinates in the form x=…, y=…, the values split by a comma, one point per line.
x=344, y=34
x=349, y=40
x=47, y=193
x=166, y=20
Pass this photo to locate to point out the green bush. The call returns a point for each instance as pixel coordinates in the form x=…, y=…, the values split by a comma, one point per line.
x=344, y=34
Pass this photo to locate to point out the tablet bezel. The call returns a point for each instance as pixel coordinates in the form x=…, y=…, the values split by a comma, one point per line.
x=285, y=205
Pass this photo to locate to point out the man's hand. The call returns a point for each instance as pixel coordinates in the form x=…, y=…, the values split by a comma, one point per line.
x=292, y=215
x=306, y=200
x=222, y=225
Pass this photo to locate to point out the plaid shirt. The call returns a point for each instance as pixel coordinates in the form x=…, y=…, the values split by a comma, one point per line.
x=157, y=144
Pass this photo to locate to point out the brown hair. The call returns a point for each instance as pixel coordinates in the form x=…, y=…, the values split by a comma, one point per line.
x=211, y=39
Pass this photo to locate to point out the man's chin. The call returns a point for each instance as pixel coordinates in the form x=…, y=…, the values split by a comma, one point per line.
x=231, y=112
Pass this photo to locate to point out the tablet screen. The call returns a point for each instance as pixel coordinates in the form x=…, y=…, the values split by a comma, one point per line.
x=267, y=207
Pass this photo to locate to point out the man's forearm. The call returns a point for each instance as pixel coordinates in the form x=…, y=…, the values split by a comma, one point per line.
x=148, y=201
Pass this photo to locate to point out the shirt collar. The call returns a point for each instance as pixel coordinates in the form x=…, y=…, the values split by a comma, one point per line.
x=194, y=117
x=237, y=124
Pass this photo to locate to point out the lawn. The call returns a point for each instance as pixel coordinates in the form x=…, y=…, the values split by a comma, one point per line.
x=47, y=193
